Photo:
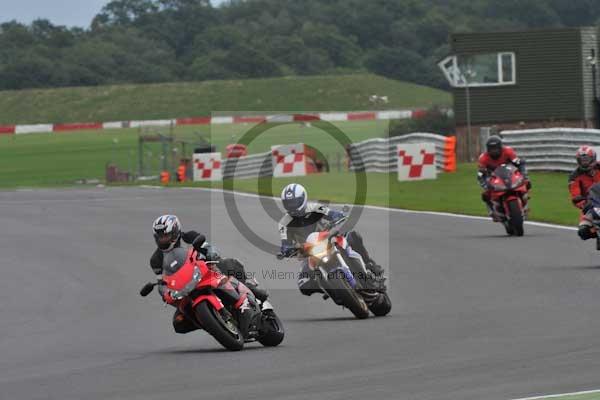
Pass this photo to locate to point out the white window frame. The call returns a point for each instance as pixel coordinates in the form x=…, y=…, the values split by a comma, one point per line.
x=456, y=78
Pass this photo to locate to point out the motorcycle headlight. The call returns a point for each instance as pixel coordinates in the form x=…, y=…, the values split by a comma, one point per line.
x=191, y=285
x=319, y=250
x=177, y=294
x=196, y=275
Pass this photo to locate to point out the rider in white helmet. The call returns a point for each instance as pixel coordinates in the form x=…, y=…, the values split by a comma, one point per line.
x=302, y=218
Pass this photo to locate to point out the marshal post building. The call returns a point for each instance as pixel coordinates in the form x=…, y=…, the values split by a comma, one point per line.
x=521, y=80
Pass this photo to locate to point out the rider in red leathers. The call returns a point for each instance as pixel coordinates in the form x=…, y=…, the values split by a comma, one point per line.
x=496, y=155
x=581, y=180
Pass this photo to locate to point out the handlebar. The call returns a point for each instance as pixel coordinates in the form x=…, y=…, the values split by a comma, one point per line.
x=149, y=287
x=333, y=228
x=281, y=256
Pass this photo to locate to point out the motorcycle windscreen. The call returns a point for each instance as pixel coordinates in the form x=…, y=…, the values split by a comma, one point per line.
x=505, y=173
x=174, y=260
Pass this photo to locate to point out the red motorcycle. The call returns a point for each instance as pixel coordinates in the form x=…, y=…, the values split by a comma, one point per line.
x=189, y=284
x=509, y=195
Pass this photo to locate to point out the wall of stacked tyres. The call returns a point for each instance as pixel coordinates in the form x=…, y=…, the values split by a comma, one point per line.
x=380, y=155
x=374, y=155
x=551, y=149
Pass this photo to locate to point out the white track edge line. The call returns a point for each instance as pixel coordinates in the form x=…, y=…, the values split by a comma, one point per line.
x=560, y=395
x=399, y=210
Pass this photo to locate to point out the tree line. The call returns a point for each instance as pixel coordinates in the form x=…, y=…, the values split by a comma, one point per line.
x=142, y=41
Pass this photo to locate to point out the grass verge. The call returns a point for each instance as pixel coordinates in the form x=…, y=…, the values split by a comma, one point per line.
x=63, y=158
x=191, y=99
x=456, y=193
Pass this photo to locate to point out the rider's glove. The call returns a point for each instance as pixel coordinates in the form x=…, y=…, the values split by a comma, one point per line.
x=482, y=179
x=167, y=298
x=579, y=201
x=287, y=248
x=335, y=216
x=198, y=242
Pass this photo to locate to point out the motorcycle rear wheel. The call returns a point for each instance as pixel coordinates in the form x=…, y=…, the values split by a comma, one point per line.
x=225, y=332
x=382, y=306
x=274, y=333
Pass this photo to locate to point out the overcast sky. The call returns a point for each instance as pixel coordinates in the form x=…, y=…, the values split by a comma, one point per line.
x=59, y=12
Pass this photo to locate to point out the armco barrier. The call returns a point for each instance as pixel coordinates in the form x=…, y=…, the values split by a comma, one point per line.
x=253, y=166
x=379, y=155
x=307, y=117
x=550, y=149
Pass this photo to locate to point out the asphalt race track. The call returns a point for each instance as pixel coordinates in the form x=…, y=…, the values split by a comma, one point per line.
x=476, y=315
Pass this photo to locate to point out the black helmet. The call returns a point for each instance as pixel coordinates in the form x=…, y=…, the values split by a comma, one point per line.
x=493, y=147
x=167, y=231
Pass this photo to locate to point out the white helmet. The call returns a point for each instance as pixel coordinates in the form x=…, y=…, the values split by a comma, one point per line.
x=294, y=199
x=167, y=230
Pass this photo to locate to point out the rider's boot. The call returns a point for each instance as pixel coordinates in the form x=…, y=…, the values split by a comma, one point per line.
x=490, y=210
x=248, y=311
x=376, y=272
x=259, y=292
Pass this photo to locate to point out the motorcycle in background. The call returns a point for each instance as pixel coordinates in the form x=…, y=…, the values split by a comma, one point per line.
x=509, y=196
x=594, y=210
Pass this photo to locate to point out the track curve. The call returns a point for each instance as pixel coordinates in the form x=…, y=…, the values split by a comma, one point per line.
x=476, y=315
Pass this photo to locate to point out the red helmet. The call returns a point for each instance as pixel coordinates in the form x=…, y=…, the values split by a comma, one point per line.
x=586, y=158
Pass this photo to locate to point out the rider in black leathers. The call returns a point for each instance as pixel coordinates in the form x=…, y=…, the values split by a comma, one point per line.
x=168, y=235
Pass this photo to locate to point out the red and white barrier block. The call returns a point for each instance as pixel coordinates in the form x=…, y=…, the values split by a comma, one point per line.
x=215, y=120
x=289, y=160
x=416, y=161
x=207, y=167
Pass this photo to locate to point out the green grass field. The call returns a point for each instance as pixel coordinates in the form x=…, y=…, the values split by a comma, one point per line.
x=190, y=99
x=454, y=192
x=63, y=158
x=60, y=159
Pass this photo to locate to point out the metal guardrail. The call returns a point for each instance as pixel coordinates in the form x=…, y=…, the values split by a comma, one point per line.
x=373, y=155
x=379, y=155
x=253, y=166
x=551, y=149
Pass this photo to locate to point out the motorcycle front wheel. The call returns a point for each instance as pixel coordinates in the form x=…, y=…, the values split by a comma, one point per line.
x=516, y=217
x=225, y=331
x=343, y=293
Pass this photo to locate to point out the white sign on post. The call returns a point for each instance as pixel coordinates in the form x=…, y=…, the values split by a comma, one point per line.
x=289, y=160
x=207, y=167
x=416, y=161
